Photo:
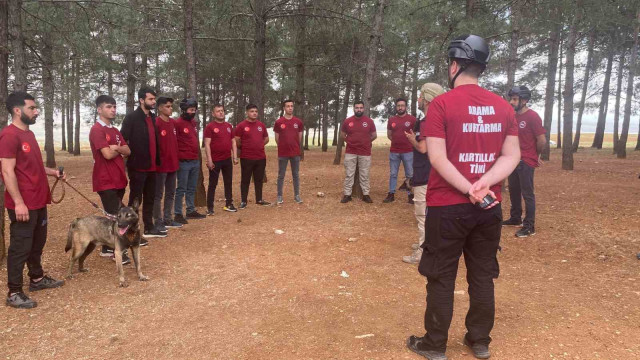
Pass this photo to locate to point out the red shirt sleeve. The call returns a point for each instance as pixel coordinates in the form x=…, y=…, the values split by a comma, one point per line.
x=98, y=138
x=9, y=147
x=512, y=124
x=300, y=126
x=208, y=132
x=372, y=128
x=237, y=132
x=433, y=126
x=276, y=127
x=538, y=129
x=264, y=133
x=123, y=142
x=389, y=124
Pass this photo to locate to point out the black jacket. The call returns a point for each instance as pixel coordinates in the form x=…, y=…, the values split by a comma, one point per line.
x=421, y=163
x=136, y=134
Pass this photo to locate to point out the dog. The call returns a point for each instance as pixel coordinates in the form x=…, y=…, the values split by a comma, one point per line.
x=406, y=185
x=122, y=233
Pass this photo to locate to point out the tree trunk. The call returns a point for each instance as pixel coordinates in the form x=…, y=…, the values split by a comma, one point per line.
x=405, y=66
x=306, y=138
x=414, y=84
x=157, y=74
x=325, y=126
x=559, y=145
x=260, y=46
x=567, y=150
x=69, y=87
x=204, y=110
x=345, y=107
x=336, y=117
x=144, y=69
x=63, y=108
x=616, y=114
x=622, y=143
x=552, y=59
x=76, y=100
x=17, y=44
x=372, y=54
x=47, y=90
x=4, y=79
x=604, y=102
x=109, y=75
x=300, y=60
x=131, y=80
x=512, y=63
x=585, y=86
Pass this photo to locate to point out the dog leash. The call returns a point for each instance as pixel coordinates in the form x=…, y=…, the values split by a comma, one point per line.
x=63, y=182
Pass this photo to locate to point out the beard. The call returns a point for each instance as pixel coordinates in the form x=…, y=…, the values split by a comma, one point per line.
x=359, y=113
x=27, y=120
x=188, y=116
x=148, y=107
x=518, y=107
x=401, y=112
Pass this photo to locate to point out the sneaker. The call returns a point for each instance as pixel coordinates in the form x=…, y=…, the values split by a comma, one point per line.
x=297, y=199
x=161, y=228
x=243, y=205
x=195, y=215
x=480, y=351
x=125, y=257
x=210, y=212
x=512, y=222
x=20, y=300
x=180, y=219
x=263, y=203
x=106, y=252
x=410, y=200
x=172, y=224
x=526, y=232
x=144, y=242
x=414, y=258
x=346, y=199
x=367, y=199
x=230, y=208
x=153, y=233
x=390, y=198
x=46, y=282
x=280, y=200
x=415, y=344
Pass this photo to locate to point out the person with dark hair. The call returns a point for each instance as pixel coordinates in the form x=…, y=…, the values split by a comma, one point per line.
x=221, y=150
x=532, y=137
x=189, y=156
x=401, y=149
x=26, y=197
x=472, y=141
x=288, y=132
x=359, y=132
x=167, y=171
x=108, y=148
x=140, y=132
x=251, y=137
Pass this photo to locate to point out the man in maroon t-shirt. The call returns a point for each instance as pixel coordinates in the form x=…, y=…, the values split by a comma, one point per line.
x=108, y=148
x=26, y=198
x=358, y=132
x=532, y=138
x=401, y=149
x=251, y=137
x=166, y=172
x=220, y=147
x=472, y=142
x=288, y=131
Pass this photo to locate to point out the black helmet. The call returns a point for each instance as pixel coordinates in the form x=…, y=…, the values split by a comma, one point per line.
x=522, y=92
x=188, y=103
x=470, y=47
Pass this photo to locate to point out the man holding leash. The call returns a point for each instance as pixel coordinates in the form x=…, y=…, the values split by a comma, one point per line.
x=108, y=148
x=26, y=197
x=472, y=142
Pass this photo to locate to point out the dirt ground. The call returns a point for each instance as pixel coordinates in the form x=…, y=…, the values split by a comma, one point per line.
x=229, y=287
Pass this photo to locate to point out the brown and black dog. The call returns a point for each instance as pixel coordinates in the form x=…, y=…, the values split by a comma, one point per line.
x=120, y=234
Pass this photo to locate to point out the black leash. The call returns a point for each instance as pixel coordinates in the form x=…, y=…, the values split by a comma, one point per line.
x=61, y=170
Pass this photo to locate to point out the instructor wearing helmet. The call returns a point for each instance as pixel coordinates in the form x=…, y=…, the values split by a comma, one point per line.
x=472, y=142
x=188, y=151
x=532, y=141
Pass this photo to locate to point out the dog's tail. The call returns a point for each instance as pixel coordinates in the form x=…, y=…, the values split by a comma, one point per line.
x=72, y=228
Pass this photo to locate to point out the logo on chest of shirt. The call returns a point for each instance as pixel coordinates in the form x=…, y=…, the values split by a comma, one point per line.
x=364, y=124
x=295, y=126
x=186, y=130
x=407, y=124
x=26, y=148
x=393, y=125
x=229, y=130
x=163, y=132
x=246, y=128
x=108, y=137
x=350, y=124
x=523, y=124
x=216, y=130
x=259, y=128
x=283, y=126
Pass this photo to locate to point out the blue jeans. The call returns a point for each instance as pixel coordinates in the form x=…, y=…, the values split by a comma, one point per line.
x=282, y=169
x=394, y=165
x=187, y=182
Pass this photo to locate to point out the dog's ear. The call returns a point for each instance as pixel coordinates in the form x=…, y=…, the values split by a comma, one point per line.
x=120, y=205
x=136, y=204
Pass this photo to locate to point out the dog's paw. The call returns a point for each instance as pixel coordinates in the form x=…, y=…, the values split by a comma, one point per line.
x=143, y=277
x=124, y=284
x=69, y=277
x=84, y=270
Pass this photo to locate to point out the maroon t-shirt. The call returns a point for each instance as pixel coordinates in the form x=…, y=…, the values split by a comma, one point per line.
x=107, y=174
x=288, y=131
x=358, y=130
x=32, y=179
x=152, y=143
x=220, y=134
x=529, y=127
x=398, y=125
x=251, y=136
x=168, y=143
x=188, y=144
x=474, y=123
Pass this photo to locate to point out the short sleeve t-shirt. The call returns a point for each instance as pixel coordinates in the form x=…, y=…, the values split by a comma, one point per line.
x=188, y=144
x=288, y=131
x=529, y=127
x=107, y=174
x=358, y=130
x=251, y=136
x=474, y=123
x=398, y=125
x=168, y=143
x=220, y=134
x=32, y=179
